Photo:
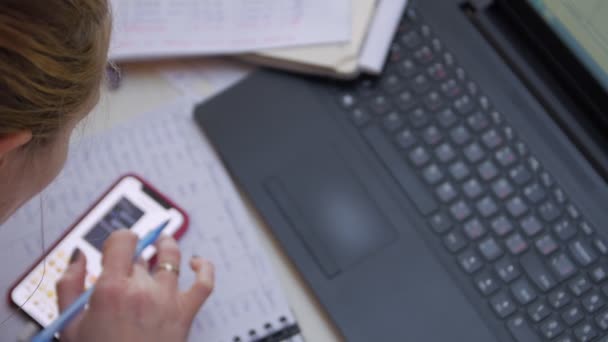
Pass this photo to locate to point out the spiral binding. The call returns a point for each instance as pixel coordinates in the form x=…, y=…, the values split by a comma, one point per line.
x=270, y=334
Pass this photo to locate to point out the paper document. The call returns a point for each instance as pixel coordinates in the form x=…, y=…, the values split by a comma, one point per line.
x=340, y=59
x=148, y=29
x=380, y=35
x=166, y=148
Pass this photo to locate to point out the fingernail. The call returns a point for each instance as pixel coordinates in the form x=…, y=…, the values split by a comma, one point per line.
x=74, y=256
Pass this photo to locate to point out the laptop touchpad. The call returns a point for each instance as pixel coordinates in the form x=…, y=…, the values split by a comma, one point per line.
x=331, y=211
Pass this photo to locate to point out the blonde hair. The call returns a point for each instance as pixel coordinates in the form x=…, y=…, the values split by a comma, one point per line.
x=52, y=57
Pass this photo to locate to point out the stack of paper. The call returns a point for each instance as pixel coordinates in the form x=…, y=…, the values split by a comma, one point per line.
x=339, y=38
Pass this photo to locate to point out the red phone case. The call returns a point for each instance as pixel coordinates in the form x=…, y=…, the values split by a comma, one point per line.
x=178, y=234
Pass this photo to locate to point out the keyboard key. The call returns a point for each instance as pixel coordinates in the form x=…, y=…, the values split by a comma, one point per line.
x=599, y=273
x=460, y=211
x=447, y=118
x=407, y=68
x=539, y=311
x=573, y=315
x=564, y=230
x=487, y=170
x=507, y=270
x=419, y=156
x=546, y=179
x=492, y=139
x=391, y=83
x=392, y=121
x=474, y=152
x=460, y=135
x=551, y=328
x=405, y=100
x=523, y=291
x=446, y=192
x=531, y=225
x=503, y=305
x=585, y=332
x=445, y=153
x=505, y=156
x=420, y=84
x=486, y=283
x=593, y=301
x=433, y=101
x=459, y=170
x=348, y=101
x=546, y=245
x=440, y=222
x=432, y=135
x=486, y=207
x=516, y=244
x=562, y=266
x=536, y=270
x=586, y=228
x=473, y=229
x=534, y=193
x=600, y=245
x=560, y=196
x=602, y=320
x=470, y=261
x=565, y=338
x=516, y=207
x=411, y=39
x=582, y=252
x=380, y=104
x=490, y=249
x=501, y=225
x=401, y=172
x=359, y=117
x=549, y=211
x=424, y=55
x=478, y=121
x=419, y=118
x=521, y=330
x=451, y=88
x=406, y=139
x=472, y=188
x=559, y=298
x=579, y=285
x=502, y=188
x=464, y=104
x=437, y=71
x=454, y=241
x=432, y=174
x=520, y=175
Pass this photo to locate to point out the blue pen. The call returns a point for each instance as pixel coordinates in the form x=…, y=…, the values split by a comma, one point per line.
x=72, y=311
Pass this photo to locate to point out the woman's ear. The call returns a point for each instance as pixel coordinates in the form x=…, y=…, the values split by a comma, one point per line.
x=11, y=142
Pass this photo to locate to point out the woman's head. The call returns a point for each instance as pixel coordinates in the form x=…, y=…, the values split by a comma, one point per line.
x=52, y=57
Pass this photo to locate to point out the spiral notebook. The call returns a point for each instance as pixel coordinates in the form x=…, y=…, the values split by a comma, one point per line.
x=166, y=148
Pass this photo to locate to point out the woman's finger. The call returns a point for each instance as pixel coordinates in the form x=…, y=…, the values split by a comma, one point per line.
x=71, y=286
x=118, y=252
x=167, y=262
x=202, y=287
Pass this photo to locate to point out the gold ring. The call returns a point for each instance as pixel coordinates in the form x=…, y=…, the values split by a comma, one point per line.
x=167, y=266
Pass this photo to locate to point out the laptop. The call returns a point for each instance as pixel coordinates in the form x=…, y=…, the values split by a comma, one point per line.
x=462, y=195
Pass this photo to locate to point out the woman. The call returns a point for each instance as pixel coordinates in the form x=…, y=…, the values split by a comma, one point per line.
x=52, y=58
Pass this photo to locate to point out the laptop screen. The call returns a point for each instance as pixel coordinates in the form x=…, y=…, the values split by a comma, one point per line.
x=583, y=26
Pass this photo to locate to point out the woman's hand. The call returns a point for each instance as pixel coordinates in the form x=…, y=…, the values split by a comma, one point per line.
x=129, y=303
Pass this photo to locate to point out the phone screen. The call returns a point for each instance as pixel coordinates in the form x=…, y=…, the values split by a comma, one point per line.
x=129, y=204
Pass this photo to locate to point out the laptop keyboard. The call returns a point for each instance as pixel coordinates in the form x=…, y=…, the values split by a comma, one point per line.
x=527, y=249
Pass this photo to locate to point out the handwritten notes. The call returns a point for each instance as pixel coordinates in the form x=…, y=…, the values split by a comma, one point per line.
x=168, y=149
x=161, y=28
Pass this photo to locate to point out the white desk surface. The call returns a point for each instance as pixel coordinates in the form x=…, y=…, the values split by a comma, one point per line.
x=143, y=89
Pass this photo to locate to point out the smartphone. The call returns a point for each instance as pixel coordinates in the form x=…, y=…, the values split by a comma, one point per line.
x=131, y=203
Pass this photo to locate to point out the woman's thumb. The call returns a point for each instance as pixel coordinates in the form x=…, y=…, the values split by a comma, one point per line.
x=71, y=284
